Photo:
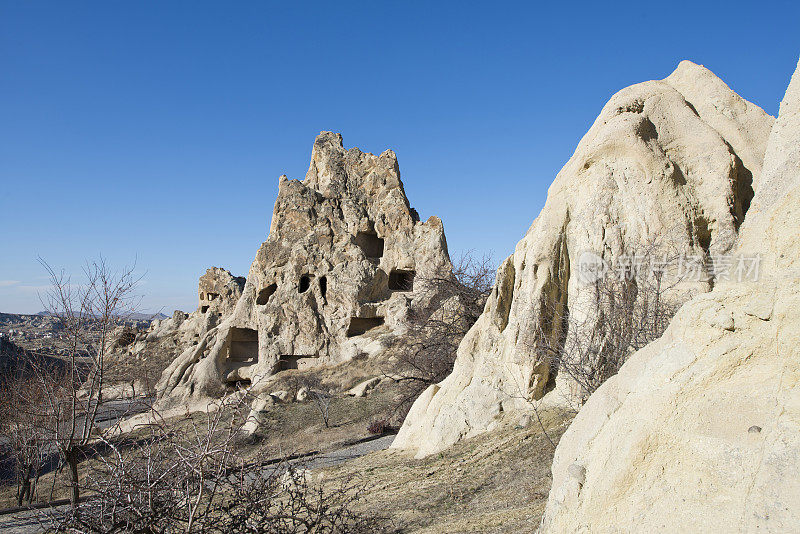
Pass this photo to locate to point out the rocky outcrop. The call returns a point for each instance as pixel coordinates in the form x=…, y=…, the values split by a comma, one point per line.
x=700, y=431
x=142, y=355
x=219, y=291
x=666, y=161
x=345, y=259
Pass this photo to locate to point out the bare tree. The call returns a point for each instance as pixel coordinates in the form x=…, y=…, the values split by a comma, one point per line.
x=322, y=400
x=65, y=403
x=623, y=308
x=317, y=391
x=436, y=328
x=194, y=481
x=24, y=445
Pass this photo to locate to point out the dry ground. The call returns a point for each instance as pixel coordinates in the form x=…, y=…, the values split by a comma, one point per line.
x=495, y=482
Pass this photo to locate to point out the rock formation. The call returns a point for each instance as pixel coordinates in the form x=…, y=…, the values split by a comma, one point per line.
x=672, y=160
x=138, y=357
x=345, y=258
x=700, y=431
x=219, y=291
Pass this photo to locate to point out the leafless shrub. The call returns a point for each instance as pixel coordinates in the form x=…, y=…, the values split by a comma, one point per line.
x=379, y=426
x=52, y=403
x=167, y=481
x=437, y=328
x=624, y=308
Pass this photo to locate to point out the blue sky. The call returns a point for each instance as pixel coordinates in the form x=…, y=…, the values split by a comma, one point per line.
x=156, y=131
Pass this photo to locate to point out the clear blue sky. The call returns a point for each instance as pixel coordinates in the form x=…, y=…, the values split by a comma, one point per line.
x=156, y=131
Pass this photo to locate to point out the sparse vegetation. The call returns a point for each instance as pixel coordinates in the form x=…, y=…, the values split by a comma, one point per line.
x=495, y=482
x=197, y=481
x=435, y=330
x=627, y=306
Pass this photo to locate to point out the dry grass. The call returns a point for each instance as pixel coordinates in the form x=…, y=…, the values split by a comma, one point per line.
x=293, y=428
x=495, y=482
x=298, y=427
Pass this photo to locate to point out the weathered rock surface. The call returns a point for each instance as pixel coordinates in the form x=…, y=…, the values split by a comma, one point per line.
x=700, y=431
x=219, y=291
x=144, y=355
x=345, y=258
x=671, y=160
x=363, y=388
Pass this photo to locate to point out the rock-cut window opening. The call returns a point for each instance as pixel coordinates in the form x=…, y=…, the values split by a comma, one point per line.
x=243, y=345
x=305, y=283
x=265, y=294
x=370, y=244
x=400, y=280
x=361, y=325
x=203, y=309
x=323, y=286
x=212, y=296
x=292, y=361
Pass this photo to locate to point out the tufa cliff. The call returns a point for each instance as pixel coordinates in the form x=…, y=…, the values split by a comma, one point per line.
x=672, y=162
x=700, y=430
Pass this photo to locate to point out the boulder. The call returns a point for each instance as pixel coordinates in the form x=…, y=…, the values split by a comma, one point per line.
x=671, y=162
x=361, y=389
x=258, y=410
x=700, y=430
x=345, y=259
x=281, y=396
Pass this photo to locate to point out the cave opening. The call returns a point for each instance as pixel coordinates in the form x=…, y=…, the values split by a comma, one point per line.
x=243, y=345
x=401, y=280
x=265, y=294
x=323, y=286
x=305, y=283
x=370, y=244
x=293, y=361
x=361, y=325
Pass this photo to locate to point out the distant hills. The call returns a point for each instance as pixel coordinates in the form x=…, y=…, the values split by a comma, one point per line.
x=132, y=316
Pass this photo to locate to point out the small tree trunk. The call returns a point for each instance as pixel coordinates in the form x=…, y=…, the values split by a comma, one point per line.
x=24, y=491
x=71, y=458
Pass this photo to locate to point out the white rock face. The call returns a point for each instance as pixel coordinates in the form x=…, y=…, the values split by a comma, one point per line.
x=700, y=431
x=671, y=160
x=345, y=259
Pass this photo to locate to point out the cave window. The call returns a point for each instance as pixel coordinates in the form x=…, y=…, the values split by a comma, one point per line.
x=204, y=309
x=703, y=233
x=265, y=294
x=323, y=286
x=400, y=280
x=305, y=283
x=243, y=345
x=360, y=325
x=370, y=244
x=212, y=296
x=202, y=296
x=292, y=361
